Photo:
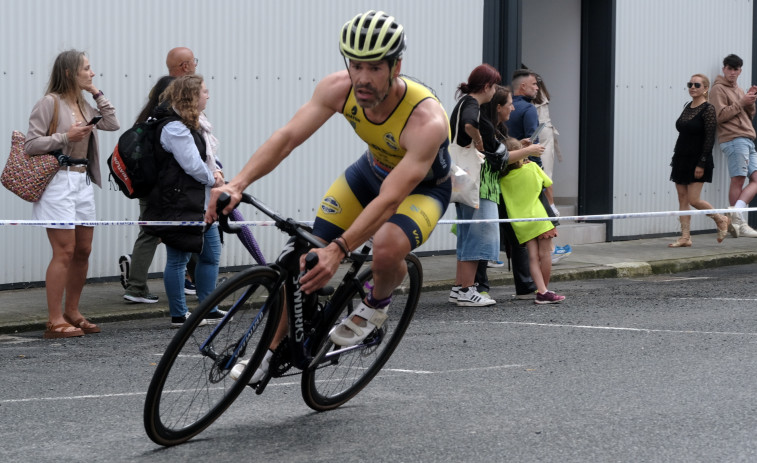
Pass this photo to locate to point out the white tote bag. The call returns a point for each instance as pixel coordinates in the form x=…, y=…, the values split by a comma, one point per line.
x=466, y=171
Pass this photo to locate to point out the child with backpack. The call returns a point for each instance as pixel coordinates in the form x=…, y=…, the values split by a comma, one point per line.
x=521, y=186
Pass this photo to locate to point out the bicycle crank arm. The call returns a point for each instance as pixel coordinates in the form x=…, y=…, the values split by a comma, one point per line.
x=324, y=353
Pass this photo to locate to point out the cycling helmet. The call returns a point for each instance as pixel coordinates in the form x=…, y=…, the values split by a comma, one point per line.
x=372, y=36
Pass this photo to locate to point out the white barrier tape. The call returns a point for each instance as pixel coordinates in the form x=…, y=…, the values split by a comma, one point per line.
x=269, y=223
x=94, y=223
x=588, y=218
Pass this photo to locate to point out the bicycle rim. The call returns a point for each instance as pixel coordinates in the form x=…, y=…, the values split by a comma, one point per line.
x=191, y=386
x=341, y=376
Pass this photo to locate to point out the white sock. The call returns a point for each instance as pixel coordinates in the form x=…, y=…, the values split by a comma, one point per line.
x=740, y=204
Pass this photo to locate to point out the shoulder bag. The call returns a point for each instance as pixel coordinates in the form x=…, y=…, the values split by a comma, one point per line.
x=466, y=170
x=28, y=176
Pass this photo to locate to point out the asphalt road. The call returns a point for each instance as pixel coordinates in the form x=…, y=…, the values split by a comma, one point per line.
x=653, y=369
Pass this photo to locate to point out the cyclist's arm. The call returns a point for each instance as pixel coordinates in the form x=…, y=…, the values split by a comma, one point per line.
x=327, y=99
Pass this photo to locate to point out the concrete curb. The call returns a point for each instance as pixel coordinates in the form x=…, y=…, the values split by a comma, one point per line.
x=614, y=270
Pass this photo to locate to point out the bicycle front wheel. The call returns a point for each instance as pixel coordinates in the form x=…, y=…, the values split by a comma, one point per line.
x=191, y=386
x=343, y=372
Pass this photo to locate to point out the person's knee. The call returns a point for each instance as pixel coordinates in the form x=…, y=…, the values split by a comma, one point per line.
x=387, y=258
x=82, y=252
x=738, y=181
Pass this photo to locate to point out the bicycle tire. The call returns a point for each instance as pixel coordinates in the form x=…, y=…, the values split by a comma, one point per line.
x=331, y=384
x=191, y=389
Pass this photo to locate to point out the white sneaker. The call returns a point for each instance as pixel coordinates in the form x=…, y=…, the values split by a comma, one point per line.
x=560, y=252
x=486, y=295
x=746, y=231
x=736, y=221
x=453, y=294
x=470, y=297
x=262, y=370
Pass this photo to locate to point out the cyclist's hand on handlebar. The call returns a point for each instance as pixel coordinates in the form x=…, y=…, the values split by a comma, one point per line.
x=211, y=215
x=319, y=276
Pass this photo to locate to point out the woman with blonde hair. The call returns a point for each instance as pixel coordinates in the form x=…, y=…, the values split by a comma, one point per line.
x=692, y=163
x=188, y=171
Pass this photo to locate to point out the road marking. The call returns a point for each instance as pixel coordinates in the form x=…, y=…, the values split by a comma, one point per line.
x=6, y=339
x=277, y=384
x=76, y=397
x=718, y=298
x=663, y=279
x=610, y=328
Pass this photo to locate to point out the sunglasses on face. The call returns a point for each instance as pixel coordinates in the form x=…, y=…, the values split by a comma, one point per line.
x=694, y=84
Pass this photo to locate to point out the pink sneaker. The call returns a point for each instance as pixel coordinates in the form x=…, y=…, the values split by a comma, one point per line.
x=549, y=297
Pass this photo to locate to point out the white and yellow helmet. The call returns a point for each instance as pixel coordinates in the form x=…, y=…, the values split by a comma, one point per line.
x=372, y=36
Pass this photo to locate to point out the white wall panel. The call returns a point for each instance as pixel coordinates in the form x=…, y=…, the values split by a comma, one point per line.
x=551, y=45
x=261, y=59
x=659, y=45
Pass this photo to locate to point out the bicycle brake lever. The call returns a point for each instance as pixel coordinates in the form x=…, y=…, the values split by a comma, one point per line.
x=311, y=260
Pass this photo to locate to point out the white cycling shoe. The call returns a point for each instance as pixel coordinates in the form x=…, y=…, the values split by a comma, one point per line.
x=262, y=370
x=349, y=333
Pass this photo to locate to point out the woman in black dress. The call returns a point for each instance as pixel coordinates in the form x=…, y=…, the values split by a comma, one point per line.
x=692, y=163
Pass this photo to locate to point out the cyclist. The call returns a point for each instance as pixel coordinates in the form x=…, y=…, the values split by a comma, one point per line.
x=395, y=192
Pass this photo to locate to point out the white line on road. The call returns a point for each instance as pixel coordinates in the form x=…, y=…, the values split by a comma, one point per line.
x=610, y=328
x=289, y=383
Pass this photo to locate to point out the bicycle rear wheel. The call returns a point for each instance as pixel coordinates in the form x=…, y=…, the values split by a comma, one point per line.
x=346, y=371
x=191, y=386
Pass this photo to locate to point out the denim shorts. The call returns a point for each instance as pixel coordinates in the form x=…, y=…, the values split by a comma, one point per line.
x=477, y=241
x=741, y=157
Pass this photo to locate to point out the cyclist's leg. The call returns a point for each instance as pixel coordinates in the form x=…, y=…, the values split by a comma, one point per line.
x=390, y=246
x=408, y=228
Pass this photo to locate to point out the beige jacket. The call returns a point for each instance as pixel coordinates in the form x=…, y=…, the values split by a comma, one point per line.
x=38, y=142
x=734, y=120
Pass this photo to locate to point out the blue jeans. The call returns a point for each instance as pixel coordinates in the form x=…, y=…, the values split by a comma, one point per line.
x=206, y=272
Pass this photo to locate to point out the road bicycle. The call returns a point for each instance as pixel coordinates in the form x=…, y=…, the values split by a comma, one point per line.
x=191, y=386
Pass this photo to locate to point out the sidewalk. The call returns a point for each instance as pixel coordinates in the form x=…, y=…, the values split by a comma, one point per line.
x=25, y=310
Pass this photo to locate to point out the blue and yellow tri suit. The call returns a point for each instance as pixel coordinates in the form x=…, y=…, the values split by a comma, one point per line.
x=418, y=214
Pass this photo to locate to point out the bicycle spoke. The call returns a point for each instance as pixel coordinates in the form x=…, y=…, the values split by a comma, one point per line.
x=192, y=386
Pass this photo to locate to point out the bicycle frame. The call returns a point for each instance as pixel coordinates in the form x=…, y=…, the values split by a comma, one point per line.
x=304, y=320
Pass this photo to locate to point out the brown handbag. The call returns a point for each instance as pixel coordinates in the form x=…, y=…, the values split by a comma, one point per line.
x=28, y=176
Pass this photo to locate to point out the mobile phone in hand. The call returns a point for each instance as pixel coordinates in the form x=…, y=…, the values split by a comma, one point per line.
x=536, y=132
x=94, y=120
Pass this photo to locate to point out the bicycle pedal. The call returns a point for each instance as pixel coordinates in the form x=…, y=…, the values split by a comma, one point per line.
x=260, y=387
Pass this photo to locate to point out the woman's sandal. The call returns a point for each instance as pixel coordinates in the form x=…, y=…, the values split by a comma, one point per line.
x=84, y=325
x=723, y=232
x=61, y=330
x=681, y=243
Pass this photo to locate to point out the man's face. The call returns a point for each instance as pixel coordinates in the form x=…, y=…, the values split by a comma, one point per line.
x=370, y=79
x=731, y=74
x=530, y=87
x=188, y=64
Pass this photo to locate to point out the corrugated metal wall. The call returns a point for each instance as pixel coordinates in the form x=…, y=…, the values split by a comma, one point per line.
x=659, y=45
x=261, y=59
